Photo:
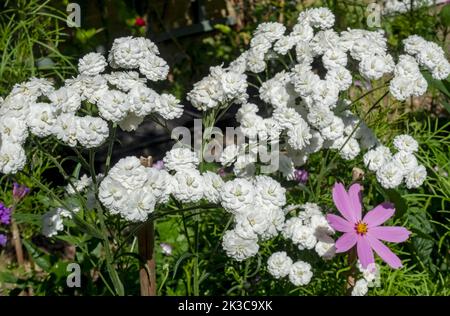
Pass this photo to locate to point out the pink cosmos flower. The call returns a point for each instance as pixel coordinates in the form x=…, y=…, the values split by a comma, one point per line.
x=365, y=233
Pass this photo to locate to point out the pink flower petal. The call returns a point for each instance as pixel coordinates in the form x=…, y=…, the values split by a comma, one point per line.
x=384, y=252
x=355, y=196
x=365, y=253
x=389, y=233
x=339, y=224
x=342, y=202
x=345, y=242
x=379, y=214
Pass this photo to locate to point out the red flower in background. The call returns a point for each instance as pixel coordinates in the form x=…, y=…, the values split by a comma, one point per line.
x=139, y=22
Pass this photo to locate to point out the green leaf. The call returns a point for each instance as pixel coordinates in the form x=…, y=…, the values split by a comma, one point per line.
x=73, y=240
x=39, y=257
x=441, y=85
x=225, y=29
x=446, y=105
x=423, y=243
x=444, y=15
x=59, y=269
x=27, y=218
x=87, y=228
x=177, y=264
x=118, y=286
x=76, y=172
x=400, y=203
x=8, y=277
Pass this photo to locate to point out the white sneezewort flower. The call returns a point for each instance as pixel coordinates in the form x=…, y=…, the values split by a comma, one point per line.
x=92, y=64
x=92, y=131
x=360, y=288
x=375, y=158
x=300, y=273
x=269, y=192
x=279, y=264
x=415, y=177
x=406, y=143
x=390, y=175
x=213, y=184
x=65, y=99
x=188, y=186
x=237, y=194
x=406, y=160
x=239, y=248
x=132, y=190
x=12, y=157
x=325, y=247
x=180, y=159
x=371, y=274
x=79, y=185
x=169, y=107
x=52, y=223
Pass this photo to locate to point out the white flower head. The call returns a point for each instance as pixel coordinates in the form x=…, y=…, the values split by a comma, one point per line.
x=180, y=159
x=188, y=186
x=360, y=288
x=92, y=64
x=390, y=175
x=279, y=264
x=237, y=194
x=416, y=177
x=406, y=143
x=300, y=273
x=239, y=248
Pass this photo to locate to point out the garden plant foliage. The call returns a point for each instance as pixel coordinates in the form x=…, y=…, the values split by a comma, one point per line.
x=324, y=128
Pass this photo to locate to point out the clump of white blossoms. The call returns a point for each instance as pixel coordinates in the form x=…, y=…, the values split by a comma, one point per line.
x=304, y=105
x=39, y=108
x=132, y=190
x=296, y=112
x=257, y=208
x=392, y=169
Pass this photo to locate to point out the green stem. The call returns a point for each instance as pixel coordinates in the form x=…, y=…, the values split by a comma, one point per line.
x=110, y=147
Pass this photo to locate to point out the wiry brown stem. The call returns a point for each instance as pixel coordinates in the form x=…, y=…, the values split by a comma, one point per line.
x=16, y=240
x=147, y=271
x=146, y=247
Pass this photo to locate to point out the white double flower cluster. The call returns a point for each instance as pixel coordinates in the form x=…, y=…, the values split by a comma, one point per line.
x=281, y=265
x=308, y=230
x=391, y=7
x=53, y=220
x=370, y=278
x=392, y=169
x=304, y=101
x=258, y=215
x=133, y=191
x=36, y=107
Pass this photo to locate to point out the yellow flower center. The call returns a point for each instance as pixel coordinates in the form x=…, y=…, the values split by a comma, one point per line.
x=361, y=228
